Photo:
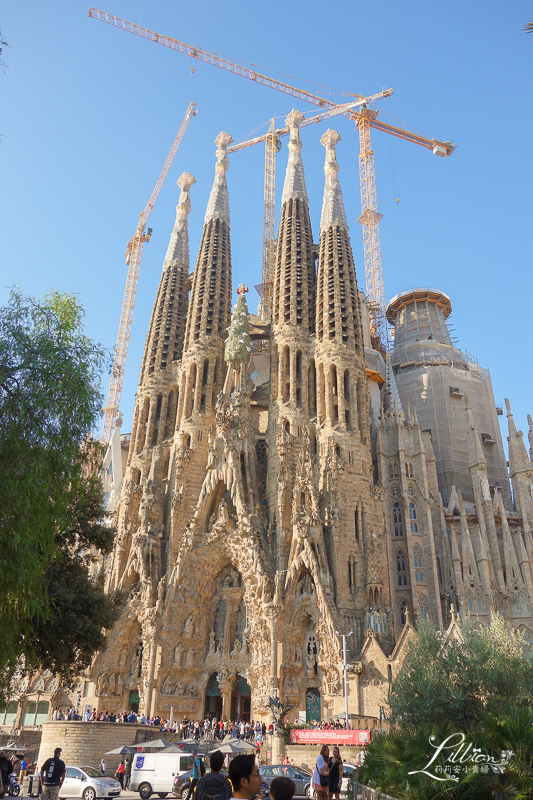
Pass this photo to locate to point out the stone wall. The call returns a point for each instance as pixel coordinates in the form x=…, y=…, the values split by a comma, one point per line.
x=85, y=743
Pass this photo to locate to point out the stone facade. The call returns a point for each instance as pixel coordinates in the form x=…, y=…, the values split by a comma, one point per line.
x=279, y=490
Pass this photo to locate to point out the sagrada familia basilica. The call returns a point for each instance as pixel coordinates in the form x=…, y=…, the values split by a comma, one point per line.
x=286, y=484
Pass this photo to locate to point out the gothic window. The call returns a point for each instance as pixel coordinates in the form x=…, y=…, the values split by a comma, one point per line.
x=515, y=604
x=395, y=468
x=417, y=561
x=404, y=608
x=401, y=569
x=412, y=517
x=411, y=491
x=397, y=518
x=479, y=601
x=523, y=602
x=391, y=474
x=423, y=607
x=395, y=491
x=470, y=602
x=408, y=470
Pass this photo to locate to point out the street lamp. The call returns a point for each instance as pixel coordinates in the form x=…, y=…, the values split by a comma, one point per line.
x=345, y=675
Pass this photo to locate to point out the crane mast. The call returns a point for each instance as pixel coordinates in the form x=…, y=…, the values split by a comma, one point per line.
x=364, y=121
x=134, y=252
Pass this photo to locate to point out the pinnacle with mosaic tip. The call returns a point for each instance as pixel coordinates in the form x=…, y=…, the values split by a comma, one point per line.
x=218, y=205
x=333, y=212
x=178, y=246
x=294, y=186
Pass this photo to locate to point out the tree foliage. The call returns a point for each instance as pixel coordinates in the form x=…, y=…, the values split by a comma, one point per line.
x=478, y=683
x=50, y=505
x=453, y=679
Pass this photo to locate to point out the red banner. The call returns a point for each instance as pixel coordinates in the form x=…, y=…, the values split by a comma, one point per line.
x=336, y=736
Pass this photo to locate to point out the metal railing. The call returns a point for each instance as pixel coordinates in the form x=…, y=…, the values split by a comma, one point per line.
x=358, y=791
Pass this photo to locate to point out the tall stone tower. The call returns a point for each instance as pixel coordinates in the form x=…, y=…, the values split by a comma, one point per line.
x=266, y=509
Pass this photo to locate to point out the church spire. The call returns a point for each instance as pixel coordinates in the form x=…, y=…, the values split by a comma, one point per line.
x=210, y=304
x=164, y=342
x=294, y=275
x=390, y=396
x=518, y=457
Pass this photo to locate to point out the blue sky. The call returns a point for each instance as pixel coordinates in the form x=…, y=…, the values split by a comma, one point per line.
x=89, y=113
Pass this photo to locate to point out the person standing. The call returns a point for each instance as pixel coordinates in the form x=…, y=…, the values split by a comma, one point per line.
x=103, y=766
x=321, y=774
x=127, y=773
x=214, y=784
x=23, y=768
x=6, y=768
x=335, y=774
x=196, y=769
x=52, y=776
x=119, y=774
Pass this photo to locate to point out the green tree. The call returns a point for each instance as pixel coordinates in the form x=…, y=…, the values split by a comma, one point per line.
x=50, y=507
x=478, y=683
x=452, y=679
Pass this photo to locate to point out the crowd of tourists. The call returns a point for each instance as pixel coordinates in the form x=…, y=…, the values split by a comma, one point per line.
x=208, y=728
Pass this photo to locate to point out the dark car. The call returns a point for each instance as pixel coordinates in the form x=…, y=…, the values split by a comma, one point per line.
x=300, y=776
x=181, y=787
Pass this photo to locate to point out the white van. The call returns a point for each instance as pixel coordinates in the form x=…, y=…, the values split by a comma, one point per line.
x=155, y=772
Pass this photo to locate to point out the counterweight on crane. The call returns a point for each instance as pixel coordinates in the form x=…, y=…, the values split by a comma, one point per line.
x=370, y=216
x=133, y=262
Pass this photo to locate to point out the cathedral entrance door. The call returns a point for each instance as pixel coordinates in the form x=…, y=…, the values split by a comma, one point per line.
x=134, y=700
x=213, y=698
x=241, y=700
x=312, y=705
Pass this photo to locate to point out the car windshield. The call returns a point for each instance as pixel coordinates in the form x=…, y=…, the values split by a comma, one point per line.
x=92, y=772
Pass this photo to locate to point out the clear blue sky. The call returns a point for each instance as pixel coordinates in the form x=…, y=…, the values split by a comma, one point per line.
x=89, y=113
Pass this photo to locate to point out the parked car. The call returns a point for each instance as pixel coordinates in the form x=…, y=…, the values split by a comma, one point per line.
x=88, y=783
x=347, y=772
x=182, y=783
x=300, y=776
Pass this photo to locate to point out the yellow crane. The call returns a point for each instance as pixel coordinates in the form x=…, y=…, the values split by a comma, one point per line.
x=364, y=118
x=134, y=252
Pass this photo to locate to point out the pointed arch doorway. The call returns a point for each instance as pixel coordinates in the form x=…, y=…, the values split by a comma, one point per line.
x=213, y=698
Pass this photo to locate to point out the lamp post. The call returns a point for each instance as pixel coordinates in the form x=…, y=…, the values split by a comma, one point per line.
x=345, y=675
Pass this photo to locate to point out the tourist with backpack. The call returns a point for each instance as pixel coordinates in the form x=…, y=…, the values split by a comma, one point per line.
x=214, y=786
x=198, y=770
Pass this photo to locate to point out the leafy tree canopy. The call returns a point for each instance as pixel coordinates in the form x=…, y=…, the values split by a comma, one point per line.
x=51, y=513
x=478, y=683
x=451, y=679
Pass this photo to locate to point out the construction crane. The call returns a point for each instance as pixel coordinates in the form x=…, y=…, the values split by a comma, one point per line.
x=364, y=119
x=272, y=146
x=134, y=252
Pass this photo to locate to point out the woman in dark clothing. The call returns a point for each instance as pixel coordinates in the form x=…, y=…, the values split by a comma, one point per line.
x=335, y=774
